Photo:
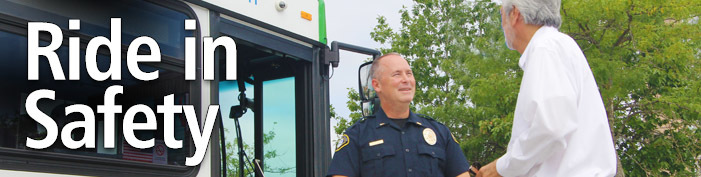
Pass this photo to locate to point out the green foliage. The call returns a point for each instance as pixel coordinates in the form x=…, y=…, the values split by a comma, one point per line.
x=232, y=157
x=644, y=56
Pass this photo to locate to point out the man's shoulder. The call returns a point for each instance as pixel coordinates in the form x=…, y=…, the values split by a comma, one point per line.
x=552, y=37
x=425, y=117
x=360, y=124
x=428, y=119
x=432, y=121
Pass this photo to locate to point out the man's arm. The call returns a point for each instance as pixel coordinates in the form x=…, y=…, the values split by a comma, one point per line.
x=466, y=174
x=474, y=169
x=456, y=163
x=490, y=170
x=346, y=160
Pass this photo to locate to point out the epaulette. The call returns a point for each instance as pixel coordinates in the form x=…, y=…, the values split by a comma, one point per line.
x=362, y=119
x=426, y=117
x=367, y=117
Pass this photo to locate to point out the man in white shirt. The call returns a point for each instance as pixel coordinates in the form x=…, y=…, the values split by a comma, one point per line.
x=560, y=126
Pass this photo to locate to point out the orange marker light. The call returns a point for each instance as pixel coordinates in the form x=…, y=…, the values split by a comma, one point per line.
x=306, y=15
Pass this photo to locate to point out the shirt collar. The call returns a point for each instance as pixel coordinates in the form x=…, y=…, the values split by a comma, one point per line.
x=543, y=30
x=383, y=120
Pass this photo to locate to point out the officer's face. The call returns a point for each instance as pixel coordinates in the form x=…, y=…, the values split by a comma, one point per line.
x=395, y=81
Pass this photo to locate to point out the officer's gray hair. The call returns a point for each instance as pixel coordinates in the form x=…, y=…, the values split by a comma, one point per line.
x=536, y=12
x=376, y=64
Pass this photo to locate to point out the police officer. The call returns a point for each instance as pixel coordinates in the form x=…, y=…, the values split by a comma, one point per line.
x=396, y=141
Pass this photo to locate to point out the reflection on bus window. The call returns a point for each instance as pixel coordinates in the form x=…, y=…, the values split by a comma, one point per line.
x=228, y=97
x=279, y=127
x=279, y=137
x=16, y=125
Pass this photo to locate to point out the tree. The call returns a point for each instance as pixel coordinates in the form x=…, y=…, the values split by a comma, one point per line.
x=644, y=56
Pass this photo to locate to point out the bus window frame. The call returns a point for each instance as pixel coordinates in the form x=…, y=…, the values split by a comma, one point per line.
x=71, y=164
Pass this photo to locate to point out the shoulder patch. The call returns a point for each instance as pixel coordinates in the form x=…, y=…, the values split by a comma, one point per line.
x=454, y=139
x=344, y=142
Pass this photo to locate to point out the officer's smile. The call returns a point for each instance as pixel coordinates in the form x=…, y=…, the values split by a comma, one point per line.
x=405, y=89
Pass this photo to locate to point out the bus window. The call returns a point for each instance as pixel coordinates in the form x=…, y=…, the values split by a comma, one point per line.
x=269, y=132
x=17, y=125
x=228, y=97
x=139, y=18
x=279, y=127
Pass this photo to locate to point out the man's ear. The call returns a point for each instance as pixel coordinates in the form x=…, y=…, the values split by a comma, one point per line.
x=376, y=85
x=514, y=16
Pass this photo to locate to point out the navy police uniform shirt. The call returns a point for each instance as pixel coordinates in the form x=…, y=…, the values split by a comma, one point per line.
x=379, y=147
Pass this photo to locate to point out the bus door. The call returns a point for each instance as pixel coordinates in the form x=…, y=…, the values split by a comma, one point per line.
x=272, y=100
x=264, y=102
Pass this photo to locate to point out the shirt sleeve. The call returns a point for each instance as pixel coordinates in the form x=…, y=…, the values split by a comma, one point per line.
x=551, y=102
x=346, y=160
x=456, y=163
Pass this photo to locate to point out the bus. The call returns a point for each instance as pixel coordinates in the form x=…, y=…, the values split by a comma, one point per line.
x=273, y=120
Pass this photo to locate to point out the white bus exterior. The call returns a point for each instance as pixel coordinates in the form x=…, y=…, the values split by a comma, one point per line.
x=283, y=62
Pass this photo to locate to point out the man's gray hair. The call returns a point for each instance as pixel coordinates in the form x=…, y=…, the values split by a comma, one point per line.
x=376, y=64
x=536, y=12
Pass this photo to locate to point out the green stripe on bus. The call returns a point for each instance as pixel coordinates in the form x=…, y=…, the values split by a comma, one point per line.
x=322, y=21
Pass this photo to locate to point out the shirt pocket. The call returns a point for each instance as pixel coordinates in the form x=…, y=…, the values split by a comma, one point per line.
x=374, y=159
x=433, y=158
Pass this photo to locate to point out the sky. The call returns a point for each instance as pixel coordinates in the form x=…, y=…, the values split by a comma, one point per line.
x=351, y=22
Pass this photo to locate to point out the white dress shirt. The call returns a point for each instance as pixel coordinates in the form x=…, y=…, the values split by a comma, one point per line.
x=560, y=126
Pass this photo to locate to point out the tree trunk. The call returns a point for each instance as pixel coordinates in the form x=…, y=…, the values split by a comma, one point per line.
x=620, y=172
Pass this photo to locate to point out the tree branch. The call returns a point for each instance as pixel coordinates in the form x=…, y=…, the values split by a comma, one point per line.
x=587, y=34
x=622, y=38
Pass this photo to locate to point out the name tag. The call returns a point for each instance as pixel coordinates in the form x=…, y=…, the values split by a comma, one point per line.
x=376, y=142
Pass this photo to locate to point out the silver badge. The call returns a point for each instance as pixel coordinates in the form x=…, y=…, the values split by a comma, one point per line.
x=429, y=136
